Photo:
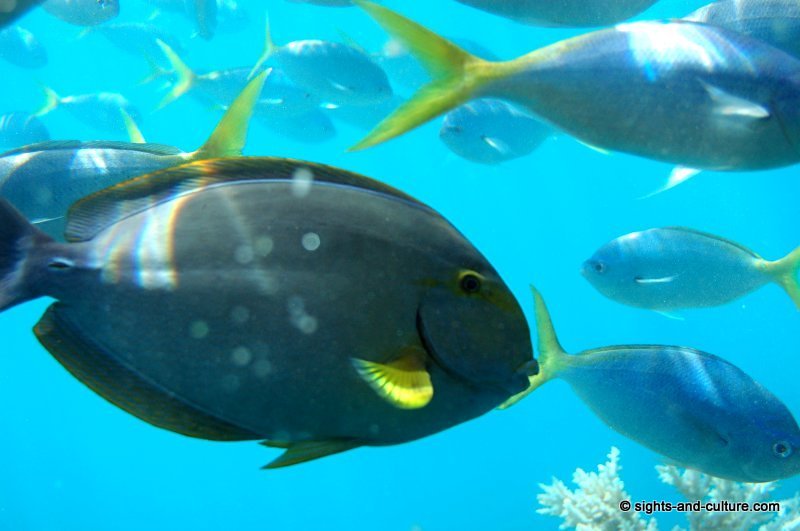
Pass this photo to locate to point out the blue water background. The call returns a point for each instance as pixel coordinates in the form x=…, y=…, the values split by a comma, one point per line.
x=71, y=461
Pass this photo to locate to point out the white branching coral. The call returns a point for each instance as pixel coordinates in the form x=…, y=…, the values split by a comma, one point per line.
x=595, y=504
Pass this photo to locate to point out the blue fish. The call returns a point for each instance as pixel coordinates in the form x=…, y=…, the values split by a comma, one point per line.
x=489, y=131
x=692, y=407
x=105, y=111
x=776, y=22
x=675, y=268
x=21, y=129
x=681, y=92
x=83, y=12
x=43, y=180
x=136, y=38
x=573, y=13
x=21, y=47
x=337, y=73
x=311, y=127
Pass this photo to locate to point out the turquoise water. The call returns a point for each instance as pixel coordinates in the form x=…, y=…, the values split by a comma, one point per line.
x=72, y=461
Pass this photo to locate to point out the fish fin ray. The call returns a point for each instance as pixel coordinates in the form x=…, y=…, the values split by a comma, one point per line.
x=266, y=53
x=785, y=273
x=456, y=75
x=125, y=388
x=230, y=134
x=186, y=78
x=405, y=382
x=302, y=452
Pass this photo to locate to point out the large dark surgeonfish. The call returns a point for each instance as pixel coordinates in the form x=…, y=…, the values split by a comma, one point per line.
x=240, y=299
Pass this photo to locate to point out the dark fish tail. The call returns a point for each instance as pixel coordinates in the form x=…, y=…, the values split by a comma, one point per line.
x=18, y=241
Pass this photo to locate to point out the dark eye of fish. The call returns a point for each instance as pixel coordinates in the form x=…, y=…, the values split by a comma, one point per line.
x=599, y=267
x=782, y=449
x=470, y=283
x=60, y=264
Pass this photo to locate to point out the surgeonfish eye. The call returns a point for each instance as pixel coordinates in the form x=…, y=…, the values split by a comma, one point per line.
x=782, y=449
x=470, y=282
x=60, y=264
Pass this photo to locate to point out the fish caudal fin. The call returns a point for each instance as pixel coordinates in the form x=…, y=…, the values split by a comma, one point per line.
x=134, y=133
x=185, y=77
x=156, y=71
x=552, y=357
x=18, y=237
x=786, y=272
x=52, y=100
x=269, y=49
x=457, y=75
x=230, y=135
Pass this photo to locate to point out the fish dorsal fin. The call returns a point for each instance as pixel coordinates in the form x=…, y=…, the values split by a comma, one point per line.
x=718, y=238
x=96, y=212
x=124, y=387
x=55, y=145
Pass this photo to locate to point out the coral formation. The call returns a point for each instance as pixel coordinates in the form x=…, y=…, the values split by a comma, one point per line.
x=595, y=504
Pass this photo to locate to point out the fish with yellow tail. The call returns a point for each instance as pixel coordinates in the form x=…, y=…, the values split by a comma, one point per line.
x=675, y=268
x=695, y=95
x=692, y=407
x=43, y=180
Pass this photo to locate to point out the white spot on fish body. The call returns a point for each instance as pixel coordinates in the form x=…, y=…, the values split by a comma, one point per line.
x=199, y=329
x=240, y=314
x=302, y=179
x=263, y=246
x=311, y=241
x=241, y=356
x=244, y=254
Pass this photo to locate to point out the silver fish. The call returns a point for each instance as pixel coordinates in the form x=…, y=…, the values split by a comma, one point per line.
x=83, y=12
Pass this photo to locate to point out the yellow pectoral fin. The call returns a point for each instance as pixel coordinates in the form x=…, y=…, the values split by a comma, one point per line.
x=404, y=382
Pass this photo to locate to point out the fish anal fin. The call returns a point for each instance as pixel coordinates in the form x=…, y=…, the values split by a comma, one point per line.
x=125, y=388
x=301, y=452
x=403, y=382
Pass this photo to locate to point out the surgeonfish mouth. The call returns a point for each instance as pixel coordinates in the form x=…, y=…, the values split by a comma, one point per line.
x=660, y=280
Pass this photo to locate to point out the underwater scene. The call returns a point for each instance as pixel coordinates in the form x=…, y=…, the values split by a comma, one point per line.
x=309, y=264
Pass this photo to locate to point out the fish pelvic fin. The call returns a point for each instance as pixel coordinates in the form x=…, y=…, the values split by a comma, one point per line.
x=301, y=452
x=134, y=133
x=186, y=78
x=552, y=357
x=229, y=137
x=266, y=53
x=404, y=382
x=457, y=75
x=18, y=239
x=785, y=273
x=51, y=101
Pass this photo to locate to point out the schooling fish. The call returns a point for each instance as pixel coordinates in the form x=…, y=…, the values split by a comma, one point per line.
x=21, y=129
x=221, y=300
x=676, y=267
x=694, y=408
x=203, y=13
x=363, y=116
x=279, y=97
x=136, y=38
x=696, y=95
x=311, y=127
x=21, y=47
x=337, y=73
x=489, y=131
x=774, y=21
x=83, y=12
x=44, y=180
x=102, y=110
x=572, y=13
x=11, y=10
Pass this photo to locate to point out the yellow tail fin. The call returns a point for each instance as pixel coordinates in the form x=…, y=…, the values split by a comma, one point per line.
x=785, y=272
x=156, y=71
x=134, y=134
x=229, y=136
x=456, y=75
x=552, y=357
x=269, y=49
x=51, y=101
x=185, y=77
